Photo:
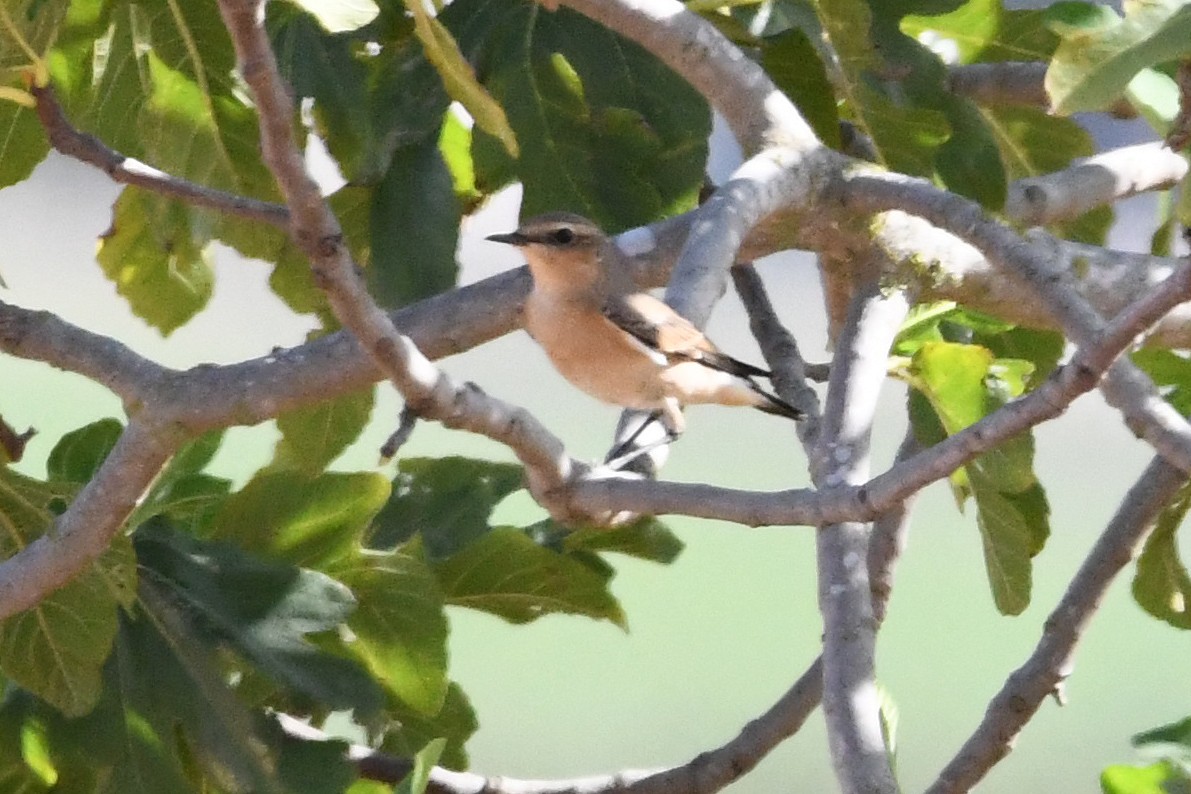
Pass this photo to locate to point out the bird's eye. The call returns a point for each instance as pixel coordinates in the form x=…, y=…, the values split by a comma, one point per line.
x=563, y=236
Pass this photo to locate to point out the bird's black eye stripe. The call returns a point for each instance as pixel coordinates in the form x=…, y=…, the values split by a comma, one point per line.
x=563, y=236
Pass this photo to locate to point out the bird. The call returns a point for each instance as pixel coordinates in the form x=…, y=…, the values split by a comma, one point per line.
x=616, y=343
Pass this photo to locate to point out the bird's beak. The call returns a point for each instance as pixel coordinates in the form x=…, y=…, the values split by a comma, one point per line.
x=512, y=238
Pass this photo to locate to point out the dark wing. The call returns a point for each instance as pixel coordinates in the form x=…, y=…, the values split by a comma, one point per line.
x=660, y=328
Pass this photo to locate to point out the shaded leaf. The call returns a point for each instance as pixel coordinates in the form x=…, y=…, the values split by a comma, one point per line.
x=507, y=574
x=264, y=610
x=57, y=648
x=77, y=455
x=182, y=492
x=455, y=722
x=446, y=500
x=414, y=227
x=645, y=539
x=793, y=63
x=617, y=136
x=906, y=137
x=23, y=143
x=400, y=628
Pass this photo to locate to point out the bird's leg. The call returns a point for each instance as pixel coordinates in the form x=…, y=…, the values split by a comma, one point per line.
x=625, y=446
x=624, y=453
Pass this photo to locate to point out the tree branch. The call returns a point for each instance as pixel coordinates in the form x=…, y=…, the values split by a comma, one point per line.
x=1094, y=182
x=42, y=336
x=427, y=390
x=850, y=698
x=1053, y=658
x=85, y=530
x=1125, y=386
x=1012, y=83
x=82, y=146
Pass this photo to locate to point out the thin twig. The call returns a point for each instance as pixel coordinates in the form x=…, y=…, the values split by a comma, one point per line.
x=70, y=141
x=1053, y=658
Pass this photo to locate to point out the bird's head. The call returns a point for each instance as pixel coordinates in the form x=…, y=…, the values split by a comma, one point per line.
x=561, y=248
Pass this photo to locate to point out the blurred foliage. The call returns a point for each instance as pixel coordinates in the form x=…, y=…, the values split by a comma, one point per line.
x=314, y=591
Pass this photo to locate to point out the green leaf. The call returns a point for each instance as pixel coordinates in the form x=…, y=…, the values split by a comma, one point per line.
x=57, y=648
x=906, y=137
x=262, y=609
x=446, y=500
x=985, y=31
x=156, y=260
x=455, y=722
x=794, y=65
x=414, y=227
x=400, y=627
x=314, y=436
x=23, y=143
x=1160, y=778
x=507, y=574
x=340, y=15
x=1162, y=586
x=424, y=761
x=1174, y=733
x=1013, y=528
x=615, y=134
x=1100, y=54
x=963, y=383
x=645, y=539
x=1032, y=143
x=182, y=492
x=169, y=722
x=455, y=145
x=1171, y=371
x=442, y=51
x=78, y=454
x=305, y=521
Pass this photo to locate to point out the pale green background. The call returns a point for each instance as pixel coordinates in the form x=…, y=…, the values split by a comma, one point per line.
x=716, y=637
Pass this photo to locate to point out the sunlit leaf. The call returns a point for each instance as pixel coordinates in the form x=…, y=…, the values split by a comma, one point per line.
x=1162, y=585
x=340, y=15
x=303, y=520
x=1101, y=53
x=442, y=51
x=400, y=628
x=156, y=260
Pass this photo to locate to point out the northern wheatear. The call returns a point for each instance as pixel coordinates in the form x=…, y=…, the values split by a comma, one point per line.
x=620, y=345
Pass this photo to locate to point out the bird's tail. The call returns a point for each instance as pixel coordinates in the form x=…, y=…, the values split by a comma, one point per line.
x=772, y=404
